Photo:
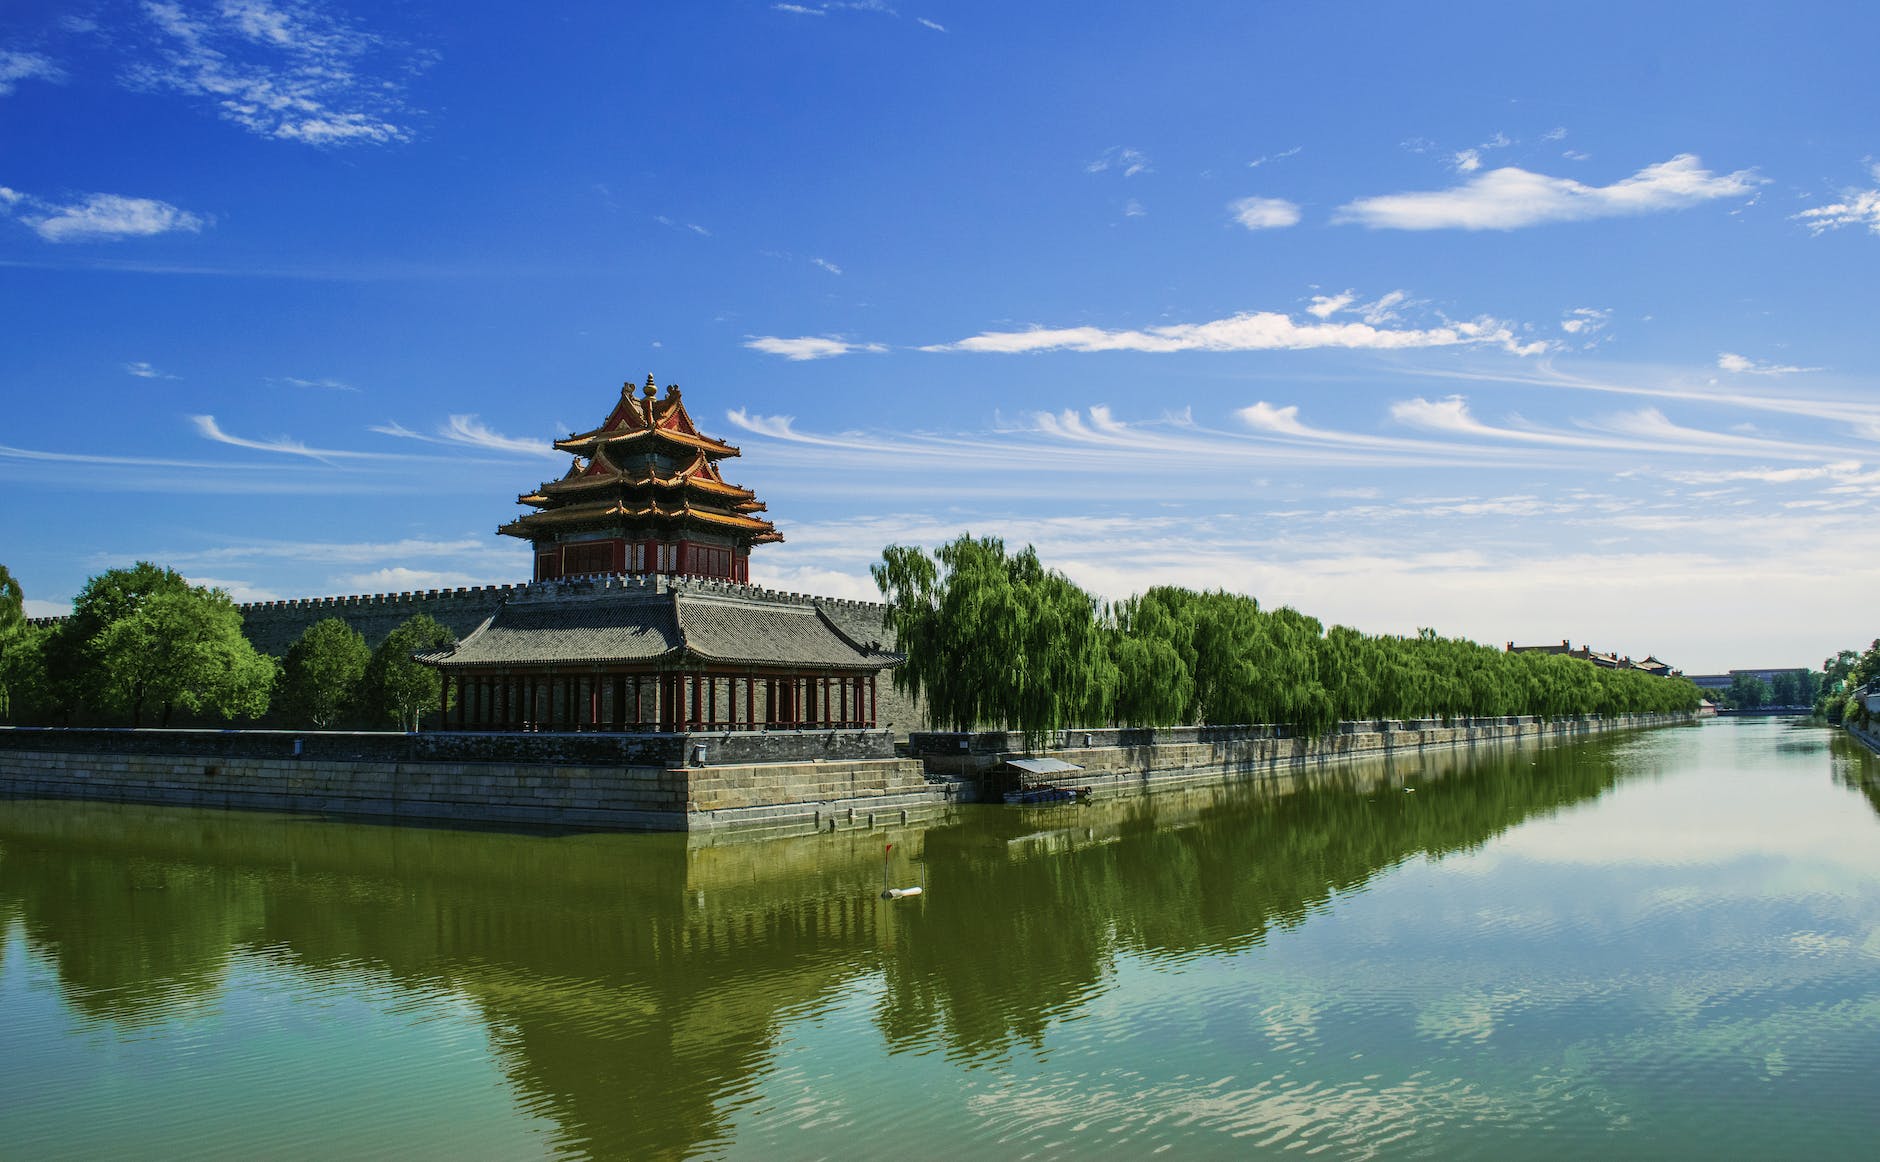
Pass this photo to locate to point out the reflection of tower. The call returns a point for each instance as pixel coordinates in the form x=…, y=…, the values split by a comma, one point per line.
x=643, y=495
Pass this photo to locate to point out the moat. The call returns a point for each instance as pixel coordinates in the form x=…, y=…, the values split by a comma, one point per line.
x=1656, y=944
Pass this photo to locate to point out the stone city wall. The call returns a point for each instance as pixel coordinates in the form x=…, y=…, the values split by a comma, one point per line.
x=374, y=776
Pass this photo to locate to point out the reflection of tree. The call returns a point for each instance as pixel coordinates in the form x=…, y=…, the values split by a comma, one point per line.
x=634, y=986
x=1044, y=926
x=133, y=939
x=1857, y=769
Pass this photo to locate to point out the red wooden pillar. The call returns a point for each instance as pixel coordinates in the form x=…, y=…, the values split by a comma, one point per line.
x=871, y=699
x=750, y=701
x=594, y=701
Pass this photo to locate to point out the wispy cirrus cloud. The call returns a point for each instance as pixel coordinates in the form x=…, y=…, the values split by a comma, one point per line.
x=143, y=370
x=1125, y=160
x=208, y=429
x=808, y=347
x=1269, y=158
x=1857, y=207
x=1743, y=365
x=97, y=217
x=1511, y=198
x=26, y=66
x=283, y=69
x=1263, y=331
x=316, y=384
x=471, y=432
x=1264, y=213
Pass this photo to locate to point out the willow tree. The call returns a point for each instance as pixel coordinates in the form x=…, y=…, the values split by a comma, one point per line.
x=995, y=640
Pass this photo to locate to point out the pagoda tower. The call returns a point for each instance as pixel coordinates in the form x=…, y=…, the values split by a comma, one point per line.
x=643, y=495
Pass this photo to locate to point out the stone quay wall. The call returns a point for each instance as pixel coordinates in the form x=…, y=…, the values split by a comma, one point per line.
x=1134, y=760
x=589, y=782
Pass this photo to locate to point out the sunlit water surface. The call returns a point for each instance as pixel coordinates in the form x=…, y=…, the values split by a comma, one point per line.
x=1658, y=945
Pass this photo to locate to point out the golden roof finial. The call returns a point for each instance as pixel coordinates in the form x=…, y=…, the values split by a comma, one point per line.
x=652, y=387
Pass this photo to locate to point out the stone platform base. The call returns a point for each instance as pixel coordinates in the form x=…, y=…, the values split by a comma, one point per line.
x=172, y=768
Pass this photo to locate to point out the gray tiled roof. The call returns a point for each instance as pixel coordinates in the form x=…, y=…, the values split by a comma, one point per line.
x=650, y=625
x=575, y=630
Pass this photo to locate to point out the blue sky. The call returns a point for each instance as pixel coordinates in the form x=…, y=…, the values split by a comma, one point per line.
x=1514, y=323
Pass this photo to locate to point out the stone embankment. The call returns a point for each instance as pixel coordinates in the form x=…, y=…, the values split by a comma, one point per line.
x=1134, y=761
x=799, y=782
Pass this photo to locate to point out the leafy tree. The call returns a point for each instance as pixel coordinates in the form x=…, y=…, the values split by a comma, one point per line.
x=12, y=627
x=322, y=673
x=180, y=648
x=398, y=687
x=71, y=652
x=1785, y=689
x=994, y=639
x=23, y=685
x=1747, y=691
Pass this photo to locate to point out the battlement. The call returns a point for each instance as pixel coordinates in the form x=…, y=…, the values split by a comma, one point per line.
x=479, y=593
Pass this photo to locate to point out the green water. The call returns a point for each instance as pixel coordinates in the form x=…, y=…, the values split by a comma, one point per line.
x=1659, y=945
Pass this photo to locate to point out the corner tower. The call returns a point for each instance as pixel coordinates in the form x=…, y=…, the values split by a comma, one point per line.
x=643, y=495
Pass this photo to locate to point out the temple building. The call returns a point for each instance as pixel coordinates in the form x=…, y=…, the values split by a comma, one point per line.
x=641, y=618
x=643, y=494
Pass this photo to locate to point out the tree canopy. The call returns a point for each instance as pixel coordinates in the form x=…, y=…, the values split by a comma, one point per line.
x=181, y=648
x=395, y=685
x=995, y=640
x=322, y=673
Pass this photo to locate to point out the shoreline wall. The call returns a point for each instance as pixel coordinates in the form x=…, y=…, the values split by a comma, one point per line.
x=1140, y=760
x=474, y=780
x=777, y=784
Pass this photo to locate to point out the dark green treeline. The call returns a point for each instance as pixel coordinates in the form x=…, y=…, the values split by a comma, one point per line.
x=996, y=640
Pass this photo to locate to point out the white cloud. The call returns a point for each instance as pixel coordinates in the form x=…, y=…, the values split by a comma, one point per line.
x=1130, y=161
x=1510, y=198
x=1467, y=161
x=1265, y=159
x=1264, y=213
x=25, y=66
x=1585, y=321
x=321, y=384
x=210, y=430
x=1255, y=331
x=1742, y=365
x=1325, y=306
x=1557, y=134
x=144, y=370
x=98, y=217
x=398, y=579
x=285, y=70
x=1133, y=209
x=1856, y=208
x=831, y=267
x=809, y=346
x=469, y=431
x=798, y=10
x=926, y=23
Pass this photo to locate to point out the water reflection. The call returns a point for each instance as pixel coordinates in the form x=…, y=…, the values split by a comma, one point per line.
x=634, y=987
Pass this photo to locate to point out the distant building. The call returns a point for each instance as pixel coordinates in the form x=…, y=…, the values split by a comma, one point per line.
x=1650, y=665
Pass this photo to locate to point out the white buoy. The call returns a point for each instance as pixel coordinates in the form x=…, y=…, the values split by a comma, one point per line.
x=888, y=893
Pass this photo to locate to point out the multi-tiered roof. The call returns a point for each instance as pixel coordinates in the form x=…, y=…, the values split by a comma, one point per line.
x=647, y=476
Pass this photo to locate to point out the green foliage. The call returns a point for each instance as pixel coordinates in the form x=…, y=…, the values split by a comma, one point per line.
x=1748, y=692
x=12, y=629
x=73, y=668
x=23, y=683
x=978, y=626
x=395, y=686
x=180, y=648
x=996, y=640
x=322, y=673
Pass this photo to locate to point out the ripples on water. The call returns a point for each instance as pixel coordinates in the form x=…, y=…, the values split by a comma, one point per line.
x=1661, y=945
